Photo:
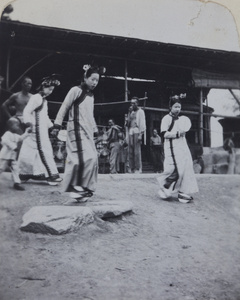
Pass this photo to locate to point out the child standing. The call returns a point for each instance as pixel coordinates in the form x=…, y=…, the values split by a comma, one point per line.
x=8, y=154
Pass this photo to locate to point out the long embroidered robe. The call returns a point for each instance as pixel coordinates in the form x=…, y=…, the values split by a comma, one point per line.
x=36, y=160
x=178, y=164
x=81, y=165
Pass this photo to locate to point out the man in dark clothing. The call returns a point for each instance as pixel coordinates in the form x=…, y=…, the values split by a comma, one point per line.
x=114, y=145
x=157, y=152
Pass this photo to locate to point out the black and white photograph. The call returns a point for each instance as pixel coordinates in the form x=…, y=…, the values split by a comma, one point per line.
x=120, y=150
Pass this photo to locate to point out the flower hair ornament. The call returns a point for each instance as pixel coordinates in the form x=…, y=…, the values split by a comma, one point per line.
x=51, y=80
x=99, y=70
x=86, y=67
x=177, y=97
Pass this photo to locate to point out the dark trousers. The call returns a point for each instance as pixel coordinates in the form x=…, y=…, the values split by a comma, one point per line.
x=157, y=158
x=134, y=152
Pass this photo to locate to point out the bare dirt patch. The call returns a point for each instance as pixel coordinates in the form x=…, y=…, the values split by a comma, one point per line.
x=163, y=250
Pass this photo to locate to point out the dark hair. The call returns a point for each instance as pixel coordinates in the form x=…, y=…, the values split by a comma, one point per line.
x=173, y=101
x=176, y=99
x=11, y=121
x=135, y=98
x=51, y=80
x=92, y=70
x=24, y=78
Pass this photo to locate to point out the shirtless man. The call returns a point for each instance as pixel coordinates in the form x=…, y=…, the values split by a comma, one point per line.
x=18, y=101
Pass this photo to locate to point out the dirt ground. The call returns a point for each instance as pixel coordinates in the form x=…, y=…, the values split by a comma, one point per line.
x=164, y=250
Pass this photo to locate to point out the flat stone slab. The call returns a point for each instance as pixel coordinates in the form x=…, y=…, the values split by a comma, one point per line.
x=63, y=219
x=56, y=219
x=111, y=208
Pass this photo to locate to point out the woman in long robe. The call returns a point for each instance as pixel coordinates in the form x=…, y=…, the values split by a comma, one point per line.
x=36, y=159
x=178, y=179
x=81, y=167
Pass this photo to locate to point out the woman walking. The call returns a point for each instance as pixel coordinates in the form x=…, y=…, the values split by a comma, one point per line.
x=36, y=155
x=178, y=178
x=81, y=166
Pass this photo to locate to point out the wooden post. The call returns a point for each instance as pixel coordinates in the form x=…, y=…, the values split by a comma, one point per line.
x=126, y=82
x=208, y=125
x=235, y=97
x=7, y=67
x=201, y=118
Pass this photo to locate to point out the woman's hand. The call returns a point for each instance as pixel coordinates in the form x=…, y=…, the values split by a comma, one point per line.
x=182, y=133
x=54, y=132
x=29, y=126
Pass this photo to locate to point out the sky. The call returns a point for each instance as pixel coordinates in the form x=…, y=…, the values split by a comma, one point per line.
x=199, y=23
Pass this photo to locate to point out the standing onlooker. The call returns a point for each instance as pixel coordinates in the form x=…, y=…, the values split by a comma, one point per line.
x=103, y=151
x=136, y=127
x=18, y=101
x=122, y=156
x=229, y=146
x=36, y=160
x=178, y=177
x=81, y=169
x=157, y=152
x=113, y=144
x=8, y=155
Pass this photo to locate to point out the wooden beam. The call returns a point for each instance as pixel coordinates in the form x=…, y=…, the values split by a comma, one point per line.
x=176, y=66
x=8, y=67
x=189, y=112
x=201, y=118
x=147, y=108
x=126, y=81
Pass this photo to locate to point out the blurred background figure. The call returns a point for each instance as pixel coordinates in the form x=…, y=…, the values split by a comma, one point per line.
x=156, y=151
x=113, y=142
x=103, y=151
x=136, y=128
x=229, y=146
x=123, y=153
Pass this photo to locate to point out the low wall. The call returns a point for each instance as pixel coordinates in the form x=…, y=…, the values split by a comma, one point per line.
x=218, y=161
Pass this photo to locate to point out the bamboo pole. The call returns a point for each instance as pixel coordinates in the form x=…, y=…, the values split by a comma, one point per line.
x=188, y=112
x=201, y=118
x=7, y=68
x=126, y=81
x=32, y=66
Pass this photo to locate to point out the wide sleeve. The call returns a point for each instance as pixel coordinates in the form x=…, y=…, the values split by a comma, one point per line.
x=71, y=96
x=94, y=125
x=34, y=102
x=165, y=124
x=185, y=123
x=49, y=122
